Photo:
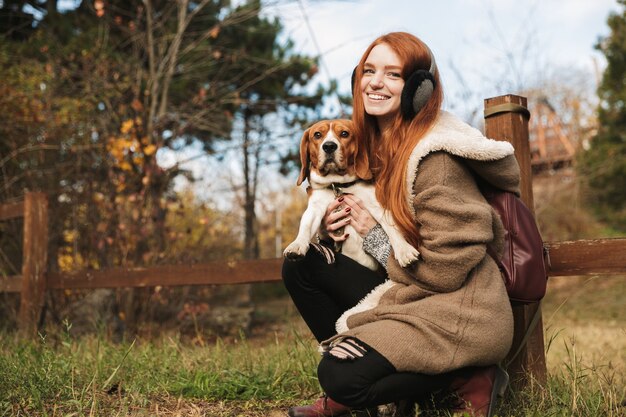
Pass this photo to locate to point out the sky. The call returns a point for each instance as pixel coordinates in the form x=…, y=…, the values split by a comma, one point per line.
x=483, y=48
x=480, y=45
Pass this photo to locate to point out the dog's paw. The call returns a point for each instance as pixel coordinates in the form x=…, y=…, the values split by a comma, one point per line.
x=405, y=254
x=296, y=250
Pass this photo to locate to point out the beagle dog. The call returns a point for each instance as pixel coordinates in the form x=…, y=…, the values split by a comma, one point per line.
x=336, y=163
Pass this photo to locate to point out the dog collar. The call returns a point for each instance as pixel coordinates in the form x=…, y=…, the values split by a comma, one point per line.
x=337, y=187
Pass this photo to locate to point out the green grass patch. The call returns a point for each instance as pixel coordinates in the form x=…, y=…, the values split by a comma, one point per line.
x=82, y=375
x=92, y=376
x=262, y=376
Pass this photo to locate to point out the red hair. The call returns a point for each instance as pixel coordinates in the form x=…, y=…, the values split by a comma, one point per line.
x=390, y=151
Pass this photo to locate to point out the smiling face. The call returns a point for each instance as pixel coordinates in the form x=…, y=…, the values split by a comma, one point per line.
x=382, y=84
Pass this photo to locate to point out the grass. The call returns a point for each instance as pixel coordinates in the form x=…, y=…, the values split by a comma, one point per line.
x=264, y=374
x=92, y=376
x=585, y=317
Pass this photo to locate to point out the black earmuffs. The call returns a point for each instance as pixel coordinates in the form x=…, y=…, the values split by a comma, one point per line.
x=418, y=87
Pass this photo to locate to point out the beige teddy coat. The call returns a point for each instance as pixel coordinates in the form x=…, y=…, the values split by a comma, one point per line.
x=450, y=309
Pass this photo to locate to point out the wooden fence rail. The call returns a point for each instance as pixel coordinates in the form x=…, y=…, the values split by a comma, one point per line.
x=506, y=118
x=570, y=258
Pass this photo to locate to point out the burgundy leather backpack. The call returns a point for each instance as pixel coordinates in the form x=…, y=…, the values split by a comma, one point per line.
x=522, y=264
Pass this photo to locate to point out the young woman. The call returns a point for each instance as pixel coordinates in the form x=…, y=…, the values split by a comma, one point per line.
x=443, y=322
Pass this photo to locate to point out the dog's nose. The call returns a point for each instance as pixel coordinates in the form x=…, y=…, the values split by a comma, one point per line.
x=329, y=147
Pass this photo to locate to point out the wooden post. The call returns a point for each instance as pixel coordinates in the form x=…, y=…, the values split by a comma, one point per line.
x=506, y=118
x=34, y=261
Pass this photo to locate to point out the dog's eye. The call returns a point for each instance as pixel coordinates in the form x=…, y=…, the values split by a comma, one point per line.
x=344, y=134
x=317, y=135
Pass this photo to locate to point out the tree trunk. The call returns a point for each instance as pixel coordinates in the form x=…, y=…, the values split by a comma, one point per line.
x=251, y=246
x=51, y=6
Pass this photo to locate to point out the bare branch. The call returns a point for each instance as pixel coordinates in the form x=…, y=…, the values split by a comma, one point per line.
x=172, y=56
x=231, y=19
x=153, y=82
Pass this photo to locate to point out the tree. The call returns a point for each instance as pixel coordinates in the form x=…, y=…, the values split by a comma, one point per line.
x=274, y=103
x=94, y=93
x=91, y=95
x=603, y=165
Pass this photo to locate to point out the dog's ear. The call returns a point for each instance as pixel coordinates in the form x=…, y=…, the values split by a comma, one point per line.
x=304, y=157
x=362, y=162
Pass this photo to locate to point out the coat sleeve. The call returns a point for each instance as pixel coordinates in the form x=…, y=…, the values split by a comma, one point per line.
x=455, y=224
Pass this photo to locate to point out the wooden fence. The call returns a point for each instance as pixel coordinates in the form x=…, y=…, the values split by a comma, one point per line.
x=506, y=118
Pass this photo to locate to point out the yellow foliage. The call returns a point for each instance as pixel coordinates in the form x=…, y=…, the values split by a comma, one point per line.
x=127, y=149
x=66, y=262
x=149, y=150
x=127, y=125
x=125, y=166
x=70, y=235
x=70, y=261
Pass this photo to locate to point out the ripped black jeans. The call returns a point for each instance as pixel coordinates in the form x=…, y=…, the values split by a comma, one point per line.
x=321, y=293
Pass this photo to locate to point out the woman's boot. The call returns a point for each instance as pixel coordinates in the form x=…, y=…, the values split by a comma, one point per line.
x=478, y=389
x=326, y=407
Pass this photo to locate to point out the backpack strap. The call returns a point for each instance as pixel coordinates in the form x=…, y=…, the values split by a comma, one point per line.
x=529, y=330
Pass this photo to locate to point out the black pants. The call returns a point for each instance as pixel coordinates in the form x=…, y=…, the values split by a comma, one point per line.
x=322, y=292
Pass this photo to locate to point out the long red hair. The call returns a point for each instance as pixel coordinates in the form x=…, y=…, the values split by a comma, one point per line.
x=390, y=151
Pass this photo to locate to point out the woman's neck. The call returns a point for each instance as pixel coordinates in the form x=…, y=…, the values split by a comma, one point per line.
x=384, y=124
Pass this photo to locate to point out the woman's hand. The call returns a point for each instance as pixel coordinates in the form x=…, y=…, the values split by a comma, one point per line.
x=335, y=219
x=342, y=211
x=360, y=218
